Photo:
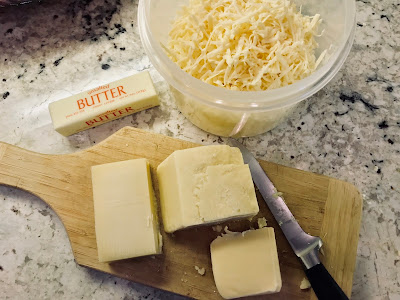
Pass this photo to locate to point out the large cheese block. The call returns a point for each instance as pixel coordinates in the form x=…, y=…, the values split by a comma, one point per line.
x=246, y=264
x=126, y=222
x=205, y=185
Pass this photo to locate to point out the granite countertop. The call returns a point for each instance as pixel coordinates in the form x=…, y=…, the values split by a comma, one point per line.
x=349, y=130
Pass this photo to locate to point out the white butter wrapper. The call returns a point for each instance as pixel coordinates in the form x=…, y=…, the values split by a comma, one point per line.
x=103, y=104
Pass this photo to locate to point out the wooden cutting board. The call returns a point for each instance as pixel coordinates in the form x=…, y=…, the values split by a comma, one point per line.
x=323, y=206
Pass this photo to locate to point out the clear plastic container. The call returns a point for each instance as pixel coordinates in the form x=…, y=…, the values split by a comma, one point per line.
x=236, y=113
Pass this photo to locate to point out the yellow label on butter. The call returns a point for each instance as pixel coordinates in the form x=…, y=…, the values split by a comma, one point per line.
x=103, y=104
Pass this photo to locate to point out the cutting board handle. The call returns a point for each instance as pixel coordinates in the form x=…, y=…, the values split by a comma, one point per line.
x=59, y=178
x=14, y=170
x=61, y=181
x=30, y=171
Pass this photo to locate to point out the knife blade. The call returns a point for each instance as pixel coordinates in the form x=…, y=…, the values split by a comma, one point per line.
x=305, y=246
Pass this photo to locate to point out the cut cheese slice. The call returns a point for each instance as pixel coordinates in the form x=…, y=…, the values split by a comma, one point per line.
x=246, y=264
x=125, y=210
x=205, y=185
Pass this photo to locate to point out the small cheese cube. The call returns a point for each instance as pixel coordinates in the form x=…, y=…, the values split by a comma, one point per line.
x=205, y=185
x=246, y=264
x=125, y=211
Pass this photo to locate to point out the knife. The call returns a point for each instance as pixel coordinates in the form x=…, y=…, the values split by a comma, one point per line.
x=305, y=246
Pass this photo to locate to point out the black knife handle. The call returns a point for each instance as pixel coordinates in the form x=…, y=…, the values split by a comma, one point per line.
x=324, y=286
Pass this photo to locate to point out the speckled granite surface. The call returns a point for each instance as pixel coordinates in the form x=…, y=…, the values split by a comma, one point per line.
x=349, y=130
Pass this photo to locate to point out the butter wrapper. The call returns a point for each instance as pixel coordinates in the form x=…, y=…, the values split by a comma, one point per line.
x=103, y=104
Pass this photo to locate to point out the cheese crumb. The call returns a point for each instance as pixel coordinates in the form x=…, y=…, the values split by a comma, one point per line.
x=217, y=228
x=246, y=45
x=227, y=231
x=277, y=194
x=201, y=271
x=262, y=222
x=305, y=284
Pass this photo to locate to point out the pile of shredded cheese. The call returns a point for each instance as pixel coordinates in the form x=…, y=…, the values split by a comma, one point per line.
x=247, y=45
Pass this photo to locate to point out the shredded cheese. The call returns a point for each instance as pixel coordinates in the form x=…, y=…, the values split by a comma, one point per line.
x=217, y=228
x=247, y=45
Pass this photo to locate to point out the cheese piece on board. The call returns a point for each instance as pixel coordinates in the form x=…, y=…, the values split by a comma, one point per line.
x=202, y=186
x=125, y=211
x=103, y=104
x=246, y=264
x=225, y=192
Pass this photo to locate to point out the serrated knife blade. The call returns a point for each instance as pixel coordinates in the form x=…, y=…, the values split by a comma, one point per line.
x=305, y=246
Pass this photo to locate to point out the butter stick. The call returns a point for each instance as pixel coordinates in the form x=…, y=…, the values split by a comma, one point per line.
x=103, y=104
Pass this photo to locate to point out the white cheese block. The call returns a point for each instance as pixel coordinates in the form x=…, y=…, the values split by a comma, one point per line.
x=205, y=185
x=246, y=264
x=125, y=210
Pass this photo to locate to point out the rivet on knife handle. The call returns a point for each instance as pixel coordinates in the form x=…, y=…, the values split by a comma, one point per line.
x=305, y=246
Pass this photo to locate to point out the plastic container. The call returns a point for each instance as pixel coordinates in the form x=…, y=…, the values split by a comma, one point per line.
x=236, y=113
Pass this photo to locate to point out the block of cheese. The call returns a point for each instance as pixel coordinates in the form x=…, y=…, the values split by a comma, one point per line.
x=205, y=185
x=103, y=104
x=125, y=211
x=246, y=264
